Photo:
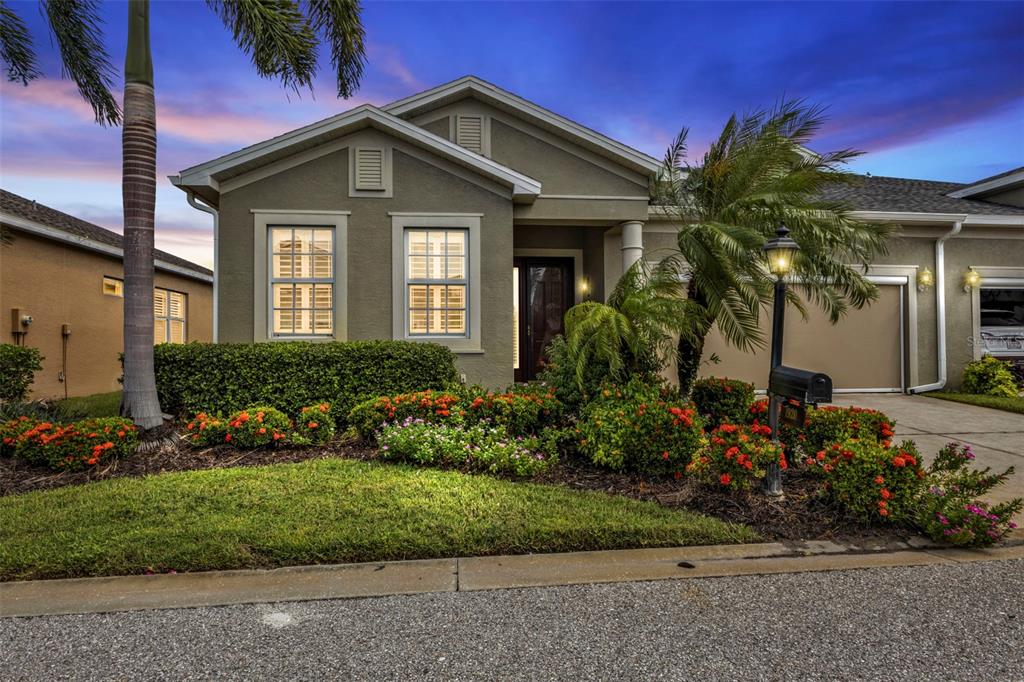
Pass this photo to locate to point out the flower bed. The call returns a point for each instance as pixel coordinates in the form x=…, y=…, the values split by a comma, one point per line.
x=68, y=447
x=737, y=456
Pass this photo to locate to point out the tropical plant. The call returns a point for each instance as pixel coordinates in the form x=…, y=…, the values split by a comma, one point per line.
x=990, y=376
x=756, y=176
x=281, y=36
x=635, y=332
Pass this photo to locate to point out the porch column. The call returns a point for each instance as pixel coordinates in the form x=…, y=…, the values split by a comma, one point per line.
x=632, y=243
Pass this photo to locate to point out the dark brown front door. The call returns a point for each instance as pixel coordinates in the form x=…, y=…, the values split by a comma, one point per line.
x=545, y=292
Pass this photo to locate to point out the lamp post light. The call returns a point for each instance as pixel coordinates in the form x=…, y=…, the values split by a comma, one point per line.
x=779, y=251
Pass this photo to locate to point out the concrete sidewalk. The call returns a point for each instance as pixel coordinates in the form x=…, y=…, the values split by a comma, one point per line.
x=995, y=436
x=305, y=583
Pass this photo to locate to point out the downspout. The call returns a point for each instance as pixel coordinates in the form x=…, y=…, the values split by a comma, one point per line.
x=940, y=309
x=216, y=248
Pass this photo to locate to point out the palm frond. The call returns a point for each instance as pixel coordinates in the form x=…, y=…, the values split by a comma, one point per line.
x=338, y=22
x=16, y=47
x=76, y=25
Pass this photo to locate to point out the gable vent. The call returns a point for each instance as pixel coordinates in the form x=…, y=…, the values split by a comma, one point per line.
x=470, y=133
x=369, y=169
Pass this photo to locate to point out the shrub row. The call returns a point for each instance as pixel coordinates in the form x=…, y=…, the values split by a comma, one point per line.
x=261, y=425
x=18, y=365
x=68, y=447
x=226, y=377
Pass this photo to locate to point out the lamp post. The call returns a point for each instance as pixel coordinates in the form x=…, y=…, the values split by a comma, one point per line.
x=779, y=251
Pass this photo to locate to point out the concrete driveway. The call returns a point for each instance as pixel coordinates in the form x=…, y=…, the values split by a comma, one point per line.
x=996, y=437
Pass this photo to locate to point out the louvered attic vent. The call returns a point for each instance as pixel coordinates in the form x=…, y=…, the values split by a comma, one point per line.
x=470, y=133
x=370, y=169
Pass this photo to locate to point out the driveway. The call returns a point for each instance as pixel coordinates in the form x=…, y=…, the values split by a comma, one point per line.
x=996, y=437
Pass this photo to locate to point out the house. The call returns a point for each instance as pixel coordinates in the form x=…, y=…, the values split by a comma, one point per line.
x=61, y=288
x=471, y=217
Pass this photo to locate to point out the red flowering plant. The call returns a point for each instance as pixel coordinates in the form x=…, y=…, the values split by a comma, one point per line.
x=520, y=411
x=11, y=429
x=314, y=425
x=829, y=424
x=722, y=401
x=871, y=481
x=431, y=406
x=639, y=427
x=252, y=427
x=75, y=446
x=737, y=455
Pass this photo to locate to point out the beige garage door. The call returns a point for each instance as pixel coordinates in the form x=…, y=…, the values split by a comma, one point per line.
x=862, y=351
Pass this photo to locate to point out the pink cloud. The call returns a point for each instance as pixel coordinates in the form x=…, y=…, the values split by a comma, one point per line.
x=388, y=59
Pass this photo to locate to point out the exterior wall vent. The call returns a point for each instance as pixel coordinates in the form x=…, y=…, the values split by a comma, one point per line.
x=469, y=133
x=370, y=169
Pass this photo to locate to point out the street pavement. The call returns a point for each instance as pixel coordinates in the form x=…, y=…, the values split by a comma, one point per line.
x=944, y=622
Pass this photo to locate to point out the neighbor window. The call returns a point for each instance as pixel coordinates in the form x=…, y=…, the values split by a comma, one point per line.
x=169, y=316
x=437, y=281
x=113, y=286
x=302, y=281
x=1002, y=320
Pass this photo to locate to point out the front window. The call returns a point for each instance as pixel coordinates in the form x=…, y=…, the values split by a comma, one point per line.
x=169, y=316
x=302, y=281
x=437, y=281
x=1002, y=321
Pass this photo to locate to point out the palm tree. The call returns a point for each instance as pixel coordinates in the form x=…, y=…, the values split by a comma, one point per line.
x=756, y=176
x=282, y=40
x=635, y=331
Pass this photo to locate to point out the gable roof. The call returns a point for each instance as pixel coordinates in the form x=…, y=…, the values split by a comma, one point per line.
x=880, y=193
x=204, y=179
x=993, y=183
x=535, y=114
x=31, y=216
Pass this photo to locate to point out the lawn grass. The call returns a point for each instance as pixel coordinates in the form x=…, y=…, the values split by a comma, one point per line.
x=995, y=402
x=96, y=405
x=320, y=511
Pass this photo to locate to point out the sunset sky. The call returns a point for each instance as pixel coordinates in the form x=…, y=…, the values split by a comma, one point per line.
x=931, y=91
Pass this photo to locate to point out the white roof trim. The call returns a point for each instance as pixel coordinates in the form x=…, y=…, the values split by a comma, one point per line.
x=522, y=185
x=905, y=217
x=41, y=230
x=472, y=83
x=986, y=186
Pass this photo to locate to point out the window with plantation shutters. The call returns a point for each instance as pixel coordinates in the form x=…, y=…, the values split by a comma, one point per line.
x=169, y=314
x=369, y=169
x=302, y=281
x=469, y=133
x=437, y=281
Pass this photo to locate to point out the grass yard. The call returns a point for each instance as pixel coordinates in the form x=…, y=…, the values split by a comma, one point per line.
x=995, y=402
x=96, y=405
x=320, y=511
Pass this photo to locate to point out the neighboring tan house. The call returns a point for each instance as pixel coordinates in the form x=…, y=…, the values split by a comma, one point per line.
x=471, y=217
x=66, y=275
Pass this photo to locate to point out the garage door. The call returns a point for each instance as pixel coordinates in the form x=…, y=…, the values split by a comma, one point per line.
x=862, y=351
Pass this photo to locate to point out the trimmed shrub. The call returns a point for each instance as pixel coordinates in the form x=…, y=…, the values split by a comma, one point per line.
x=639, y=428
x=830, y=424
x=990, y=376
x=520, y=411
x=737, y=456
x=18, y=365
x=722, y=401
x=949, y=511
x=11, y=429
x=225, y=377
x=872, y=482
x=252, y=427
x=314, y=425
x=477, y=447
x=74, y=446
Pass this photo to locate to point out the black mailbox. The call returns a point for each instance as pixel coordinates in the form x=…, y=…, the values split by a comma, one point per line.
x=800, y=384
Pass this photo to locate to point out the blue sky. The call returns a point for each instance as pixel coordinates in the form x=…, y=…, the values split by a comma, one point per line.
x=928, y=90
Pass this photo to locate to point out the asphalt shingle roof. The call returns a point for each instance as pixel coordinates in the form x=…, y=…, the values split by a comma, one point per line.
x=880, y=193
x=58, y=220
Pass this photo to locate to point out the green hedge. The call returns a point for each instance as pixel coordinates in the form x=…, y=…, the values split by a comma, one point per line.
x=224, y=377
x=17, y=367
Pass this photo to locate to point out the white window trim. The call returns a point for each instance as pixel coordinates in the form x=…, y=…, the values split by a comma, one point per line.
x=471, y=343
x=262, y=221
x=992, y=277
x=388, y=189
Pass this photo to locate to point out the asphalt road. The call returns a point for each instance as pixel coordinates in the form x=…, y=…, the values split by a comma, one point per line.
x=947, y=622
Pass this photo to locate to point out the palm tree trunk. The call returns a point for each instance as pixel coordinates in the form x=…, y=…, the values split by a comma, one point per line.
x=138, y=143
x=690, y=351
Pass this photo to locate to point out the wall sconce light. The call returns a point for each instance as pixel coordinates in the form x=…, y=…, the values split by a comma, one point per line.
x=925, y=280
x=584, y=287
x=972, y=280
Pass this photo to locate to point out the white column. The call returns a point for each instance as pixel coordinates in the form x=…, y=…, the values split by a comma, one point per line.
x=632, y=243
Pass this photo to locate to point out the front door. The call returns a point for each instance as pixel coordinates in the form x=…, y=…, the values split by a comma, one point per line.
x=544, y=291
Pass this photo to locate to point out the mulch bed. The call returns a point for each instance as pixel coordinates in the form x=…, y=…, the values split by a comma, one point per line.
x=801, y=515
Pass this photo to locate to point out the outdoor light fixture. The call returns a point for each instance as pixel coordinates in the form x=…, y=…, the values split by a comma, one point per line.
x=925, y=280
x=584, y=286
x=972, y=280
x=780, y=250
